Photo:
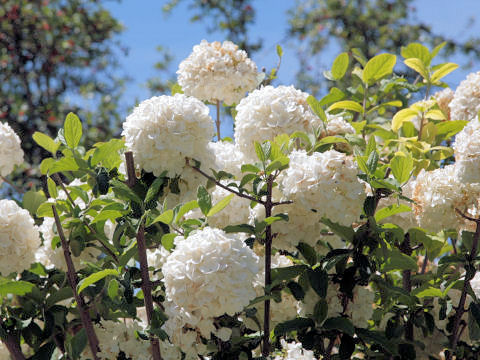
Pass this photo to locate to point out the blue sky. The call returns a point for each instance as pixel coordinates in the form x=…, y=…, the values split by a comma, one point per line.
x=146, y=27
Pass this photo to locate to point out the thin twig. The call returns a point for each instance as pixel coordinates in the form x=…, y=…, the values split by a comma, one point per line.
x=142, y=257
x=218, y=183
x=17, y=189
x=13, y=345
x=59, y=181
x=466, y=216
x=218, y=121
x=73, y=281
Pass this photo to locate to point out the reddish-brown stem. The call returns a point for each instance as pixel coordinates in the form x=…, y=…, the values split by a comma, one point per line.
x=268, y=269
x=13, y=346
x=218, y=121
x=73, y=281
x=142, y=258
x=17, y=189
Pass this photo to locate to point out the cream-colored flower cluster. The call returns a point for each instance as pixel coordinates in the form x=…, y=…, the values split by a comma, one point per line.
x=19, y=238
x=216, y=71
x=269, y=112
x=438, y=194
x=465, y=104
x=11, y=153
x=325, y=182
x=163, y=130
x=228, y=157
x=467, y=153
x=337, y=125
x=444, y=98
x=294, y=351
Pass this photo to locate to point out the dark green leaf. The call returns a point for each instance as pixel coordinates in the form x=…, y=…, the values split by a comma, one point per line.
x=339, y=323
x=154, y=189
x=308, y=253
x=319, y=281
x=345, y=232
x=293, y=325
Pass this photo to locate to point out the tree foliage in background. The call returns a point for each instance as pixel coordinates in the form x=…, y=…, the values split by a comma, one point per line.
x=51, y=51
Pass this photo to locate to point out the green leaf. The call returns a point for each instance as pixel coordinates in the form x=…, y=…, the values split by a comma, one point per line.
x=287, y=273
x=279, y=51
x=52, y=188
x=437, y=49
x=32, y=200
x=371, y=146
x=220, y=205
x=418, y=66
x=335, y=94
x=372, y=162
x=400, y=117
x=166, y=217
x=316, y=108
x=345, y=232
x=308, y=253
x=346, y=104
x=108, y=153
x=250, y=168
x=15, y=287
x=59, y=295
x=428, y=292
x=46, y=164
x=259, y=151
x=399, y=261
x=293, y=325
x=339, y=323
x=63, y=164
x=319, y=281
x=73, y=130
x=390, y=211
x=45, y=210
x=112, y=290
x=153, y=190
x=320, y=310
x=193, y=204
x=416, y=50
x=106, y=214
x=447, y=129
x=378, y=67
x=443, y=71
x=168, y=241
x=245, y=228
x=92, y=279
x=340, y=66
x=204, y=200
x=77, y=344
x=46, y=142
x=402, y=166
x=124, y=192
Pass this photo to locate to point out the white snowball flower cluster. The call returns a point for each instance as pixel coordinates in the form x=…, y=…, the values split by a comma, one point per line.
x=466, y=101
x=444, y=98
x=4, y=353
x=11, y=153
x=438, y=193
x=269, y=112
x=156, y=258
x=326, y=182
x=19, y=238
x=360, y=308
x=294, y=351
x=216, y=71
x=337, y=125
x=282, y=311
x=467, y=153
x=163, y=130
x=311, y=298
x=210, y=273
x=228, y=157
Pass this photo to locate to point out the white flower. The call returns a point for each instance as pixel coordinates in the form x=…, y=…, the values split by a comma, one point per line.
x=438, y=193
x=287, y=309
x=228, y=157
x=467, y=153
x=337, y=125
x=466, y=101
x=326, y=182
x=332, y=299
x=19, y=238
x=210, y=273
x=215, y=71
x=269, y=112
x=11, y=153
x=4, y=353
x=163, y=130
x=444, y=97
x=360, y=309
x=156, y=258
x=294, y=351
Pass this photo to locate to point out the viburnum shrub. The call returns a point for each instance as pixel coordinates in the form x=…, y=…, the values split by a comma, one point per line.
x=334, y=228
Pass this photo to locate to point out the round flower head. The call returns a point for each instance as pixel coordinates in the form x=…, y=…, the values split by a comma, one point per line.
x=326, y=182
x=337, y=125
x=19, y=238
x=444, y=98
x=215, y=71
x=294, y=351
x=228, y=157
x=163, y=130
x=269, y=112
x=210, y=273
x=466, y=101
x=467, y=153
x=438, y=194
x=11, y=153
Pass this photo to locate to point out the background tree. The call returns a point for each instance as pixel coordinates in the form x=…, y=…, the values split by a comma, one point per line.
x=50, y=53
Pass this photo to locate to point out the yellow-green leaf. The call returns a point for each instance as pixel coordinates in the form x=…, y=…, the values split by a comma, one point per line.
x=378, y=67
x=443, y=71
x=340, y=66
x=417, y=65
x=346, y=105
x=46, y=142
x=92, y=279
x=435, y=114
x=400, y=117
x=416, y=50
x=166, y=217
x=73, y=130
x=402, y=166
x=52, y=188
x=220, y=205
